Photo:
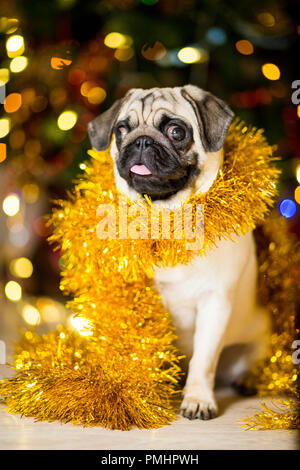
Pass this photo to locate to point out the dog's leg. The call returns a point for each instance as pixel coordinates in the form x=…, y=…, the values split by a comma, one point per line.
x=212, y=318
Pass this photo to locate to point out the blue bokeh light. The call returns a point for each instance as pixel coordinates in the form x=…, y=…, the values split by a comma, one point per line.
x=287, y=208
x=216, y=36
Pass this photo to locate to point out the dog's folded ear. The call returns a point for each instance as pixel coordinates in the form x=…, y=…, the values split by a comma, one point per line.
x=101, y=128
x=213, y=115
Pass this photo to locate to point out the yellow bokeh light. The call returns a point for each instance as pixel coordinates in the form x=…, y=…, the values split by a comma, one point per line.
x=31, y=315
x=50, y=314
x=298, y=173
x=271, y=71
x=123, y=55
x=21, y=267
x=82, y=325
x=297, y=194
x=4, y=127
x=4, y=76
x=117, y=40
x=67, y=120
x=189, y=55
x=8, y=25
x=18, y=64
x=11, y=205
x=15, y=46
x=96, y=95
x=244, y=47
x=30, y=192
x=13, y=291
x=266, y=19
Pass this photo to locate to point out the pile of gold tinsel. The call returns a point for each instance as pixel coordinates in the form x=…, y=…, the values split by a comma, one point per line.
x=125, y=370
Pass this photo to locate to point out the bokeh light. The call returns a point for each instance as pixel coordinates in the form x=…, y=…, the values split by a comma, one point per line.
x=67, y=120
x=288, y=208
x=297, y=194
x=13, y=102
x=216, y=36
x=30, y=192
x=244, y=47
x=58, y=63
x=189, y=55
x=123, y=55
x=4, y=76
x=96, y=95
x=11, y=205
x=49, y=309
x=31, y=315
x=116, y=40
x=18, y=64
x=21, y=267
x=13, y=291
x=4, y=127
x=15, y=46
x=298, y=173
x=2, y=152
x=271, y=71
x=266, y=19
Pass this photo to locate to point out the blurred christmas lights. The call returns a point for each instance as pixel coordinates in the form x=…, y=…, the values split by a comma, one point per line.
x=287, y=208
x=297, y=194
x=4, y=127
x=266, y=19
x=15, y=46
x=30, y=192
x=298, y=173
x=57, y=63
x=13, y=102
x=156, y=52
x=8, y=25
x=67, y=120
x=4, y=76
x=13, y=291
x=21, y=267
x=2, y=152
x=31, y=315
x=271, y=71
x=117, y=40
x=18, y=64
x=123, y=55
x=216, y=36
x=11, y=205
x=96, y=95
x=244, y=47
x=190, y=55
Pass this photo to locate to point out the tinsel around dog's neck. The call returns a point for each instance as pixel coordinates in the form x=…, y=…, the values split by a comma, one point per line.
x=237, y=201
x=124, y=370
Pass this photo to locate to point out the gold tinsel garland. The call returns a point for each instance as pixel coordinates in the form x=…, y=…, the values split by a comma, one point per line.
x=126, y=371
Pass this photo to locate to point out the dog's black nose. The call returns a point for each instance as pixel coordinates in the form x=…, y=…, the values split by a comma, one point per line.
x=143, y=142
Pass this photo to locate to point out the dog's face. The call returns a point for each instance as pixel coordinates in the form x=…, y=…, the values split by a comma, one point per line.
x=167, y=141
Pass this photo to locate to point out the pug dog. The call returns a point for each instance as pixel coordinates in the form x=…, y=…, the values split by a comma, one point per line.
x=168, y=143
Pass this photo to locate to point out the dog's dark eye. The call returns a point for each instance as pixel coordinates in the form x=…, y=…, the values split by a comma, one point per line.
x=122, y=131
x=176, y=133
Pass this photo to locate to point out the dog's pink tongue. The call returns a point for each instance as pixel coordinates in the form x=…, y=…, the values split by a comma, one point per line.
x=140, y=170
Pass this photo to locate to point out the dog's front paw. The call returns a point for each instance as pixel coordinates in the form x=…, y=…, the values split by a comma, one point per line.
x=194, y=408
